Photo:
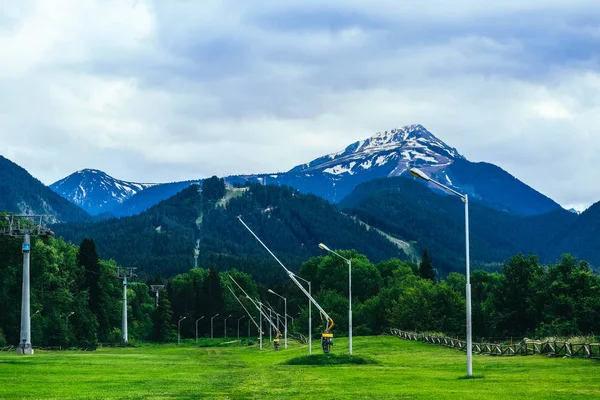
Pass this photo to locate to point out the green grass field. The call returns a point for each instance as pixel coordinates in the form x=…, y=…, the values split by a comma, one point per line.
x=399, y=369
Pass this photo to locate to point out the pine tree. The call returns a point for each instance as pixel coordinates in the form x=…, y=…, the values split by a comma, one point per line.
x=426, y=270
x=89, y=261
x=161, y=320
x=95, y=282
x=212, y=294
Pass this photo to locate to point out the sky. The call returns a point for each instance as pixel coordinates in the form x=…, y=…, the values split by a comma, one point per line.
x=162, y=91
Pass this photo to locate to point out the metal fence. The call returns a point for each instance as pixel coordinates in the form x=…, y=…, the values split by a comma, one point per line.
x=300, y=337
x=525, y=348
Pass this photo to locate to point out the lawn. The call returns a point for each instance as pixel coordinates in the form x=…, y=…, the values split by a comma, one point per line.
x=396, y=369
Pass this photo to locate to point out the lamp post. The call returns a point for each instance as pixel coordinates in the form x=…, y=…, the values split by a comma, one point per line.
x=349, y=262
x=197, y=327
x=292, y=318
x=225, y=329
x=67, y=320
x=285, y=314
x=270, y=330
x=309, y=315
x=465, y=198
x=242, y=317
x=179, y=329
x=212, y=325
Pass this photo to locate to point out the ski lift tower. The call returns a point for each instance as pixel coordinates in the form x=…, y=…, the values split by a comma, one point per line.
x=156, y=289
x=125, y=273
x=25, y=226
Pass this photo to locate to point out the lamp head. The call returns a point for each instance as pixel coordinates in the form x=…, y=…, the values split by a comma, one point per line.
x=417, y=173
x=323, y=247
x=270, y=291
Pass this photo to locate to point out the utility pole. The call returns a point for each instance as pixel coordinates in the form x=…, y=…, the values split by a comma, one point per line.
x=125, y=273
x=196, y=253
x=156, y=289
x=25, y=226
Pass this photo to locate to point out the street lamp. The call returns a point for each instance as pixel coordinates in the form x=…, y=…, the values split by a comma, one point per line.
x=197, y=327
x=465, y=198
x=212, y=325
x=285, y=314
x=179, y=329
x=67, y=319
x=225, y=329
x=349, y=262
x=242, y=317
x=291, y=318
x=309, y=315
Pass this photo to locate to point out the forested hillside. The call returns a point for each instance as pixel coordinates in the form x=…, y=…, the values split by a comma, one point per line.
x=161, y=239
x=20, y=192
x=412, y=212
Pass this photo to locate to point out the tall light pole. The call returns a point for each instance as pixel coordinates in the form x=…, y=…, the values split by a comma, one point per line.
x=212, y=326
x=197, y=327
x=242, y=317
x=465, y=198
x=309, y=315
x=284, y=313
x=271, y=322
x=67, y=320
x=349, y=262
x=179, y=329
x=225, y=327
x=292, y=318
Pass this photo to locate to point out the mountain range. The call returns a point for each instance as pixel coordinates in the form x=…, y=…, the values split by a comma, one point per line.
x=363, y=193
x=333, y=176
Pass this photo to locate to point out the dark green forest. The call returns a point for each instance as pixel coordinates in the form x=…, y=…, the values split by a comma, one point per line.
x=524, y=299
x=412, y=212
x=161, y=240
x=76, y=295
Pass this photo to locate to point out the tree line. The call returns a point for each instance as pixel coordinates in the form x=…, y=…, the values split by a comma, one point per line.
x=76, y=297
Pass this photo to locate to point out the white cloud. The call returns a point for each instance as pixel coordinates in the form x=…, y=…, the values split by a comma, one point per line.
x=162, y=91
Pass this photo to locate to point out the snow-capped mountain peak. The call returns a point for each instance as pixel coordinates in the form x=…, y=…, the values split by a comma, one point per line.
x=96, y=191
x=395, y=151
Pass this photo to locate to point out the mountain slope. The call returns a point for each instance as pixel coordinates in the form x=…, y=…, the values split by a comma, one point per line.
x=334, y=176
x=393, y=153
x=22, y=193
x=412, y=212
x=162, y=238
x=582, y=238
x=149, y=197
x=95, y=191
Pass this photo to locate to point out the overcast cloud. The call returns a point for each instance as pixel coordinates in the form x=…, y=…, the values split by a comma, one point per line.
x=157, y=91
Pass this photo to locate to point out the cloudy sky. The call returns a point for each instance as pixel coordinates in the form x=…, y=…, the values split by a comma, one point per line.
x=157, y=91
